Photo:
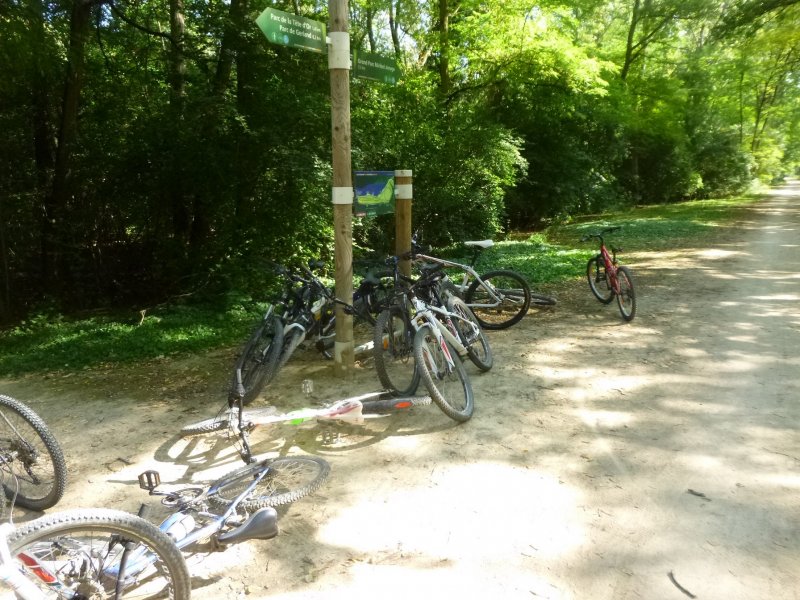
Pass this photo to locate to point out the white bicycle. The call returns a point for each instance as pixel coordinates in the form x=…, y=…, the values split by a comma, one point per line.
x=435, y=332
x=90, y=555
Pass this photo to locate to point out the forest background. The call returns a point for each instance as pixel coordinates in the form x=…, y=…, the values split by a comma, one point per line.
x=159, y=149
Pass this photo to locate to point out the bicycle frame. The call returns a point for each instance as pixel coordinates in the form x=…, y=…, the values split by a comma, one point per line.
x=610, y=265
x=11, y=575
x=469, y=274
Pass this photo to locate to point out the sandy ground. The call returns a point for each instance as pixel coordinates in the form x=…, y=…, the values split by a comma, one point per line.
x=656, y=459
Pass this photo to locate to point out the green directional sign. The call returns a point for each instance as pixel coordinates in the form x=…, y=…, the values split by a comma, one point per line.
x=367, y=65
x=290, y=30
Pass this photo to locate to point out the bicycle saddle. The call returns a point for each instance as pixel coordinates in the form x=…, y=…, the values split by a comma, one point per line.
x=262, y=525
x=480, y=244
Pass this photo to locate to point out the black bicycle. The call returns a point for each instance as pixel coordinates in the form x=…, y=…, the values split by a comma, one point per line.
x=306, y=310
x=32, y=464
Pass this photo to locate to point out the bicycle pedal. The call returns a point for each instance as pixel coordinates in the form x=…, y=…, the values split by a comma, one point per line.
x=149, y=480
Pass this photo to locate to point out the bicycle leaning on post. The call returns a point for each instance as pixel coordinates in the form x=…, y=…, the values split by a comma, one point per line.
x=607, y=279
x=435, y=333
x=305, y=310
x=499, y=298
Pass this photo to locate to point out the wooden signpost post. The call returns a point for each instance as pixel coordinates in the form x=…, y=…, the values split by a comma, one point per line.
x=295, y=31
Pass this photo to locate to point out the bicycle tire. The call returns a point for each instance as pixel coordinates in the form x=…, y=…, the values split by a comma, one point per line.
x=224, y=421
x=395, y=404
x=393, y=352
x=598, y=280
x=371, y=300
x=515, y=303
x=72, y=543
x=26, y=442
x=626, y=299
x=542, y=299
x=474, y=340
x=290, y=344
x=440, y=383
x=289, y=479
x=258, y=362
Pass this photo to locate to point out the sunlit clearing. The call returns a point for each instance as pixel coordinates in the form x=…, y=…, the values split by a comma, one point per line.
x=476, y=515
x=716, y=253
x=705, y=408
x=604, y=418
x=778, y=297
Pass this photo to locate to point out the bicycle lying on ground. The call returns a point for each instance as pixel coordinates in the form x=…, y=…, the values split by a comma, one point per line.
x=77, y=554
x=32, y=457
x=91, y=553
x=607, y=279
x=498, y=298
x=240, y=423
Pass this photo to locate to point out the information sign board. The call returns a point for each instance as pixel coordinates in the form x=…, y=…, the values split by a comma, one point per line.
x=374, y=193
x=367, y=65
x=291, y=30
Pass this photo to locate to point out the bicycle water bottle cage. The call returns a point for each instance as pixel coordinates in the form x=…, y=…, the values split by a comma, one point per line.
x=149, y=480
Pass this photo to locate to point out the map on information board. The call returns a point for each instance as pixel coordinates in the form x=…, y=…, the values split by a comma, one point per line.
x=374, y=193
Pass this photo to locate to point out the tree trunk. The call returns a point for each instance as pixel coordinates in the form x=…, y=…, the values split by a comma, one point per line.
x=181, y=215
x=56, y=203
x=393, y=27
x=629, y=45
x=445, y=84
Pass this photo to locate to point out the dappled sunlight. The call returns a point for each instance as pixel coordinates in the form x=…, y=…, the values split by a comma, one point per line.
x=714, y=253
x=604, y=418
x=692, y=406
x=528, y=509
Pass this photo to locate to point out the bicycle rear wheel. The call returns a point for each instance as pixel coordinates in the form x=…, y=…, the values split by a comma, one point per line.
x=288, y=479
x=506, y=303
x=598, y=280
x=448, y=386
x=78, y=554
x=32, y=457
x=626, y=299
x=371, y=298
x=471, y=334
x=394, y=352
x=259, y=360
x=542, y=299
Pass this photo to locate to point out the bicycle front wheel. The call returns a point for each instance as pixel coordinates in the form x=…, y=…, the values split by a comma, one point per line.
x=471, y=334
x=393, y=351
x=447, y=384
x=287, y=479
x=100, y=553
x=32, y=457
x=499, y=299
x=259, y=360
x=598, y=280
x=627, y=295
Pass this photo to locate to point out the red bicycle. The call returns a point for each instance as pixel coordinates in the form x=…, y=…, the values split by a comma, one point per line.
x=607, y=279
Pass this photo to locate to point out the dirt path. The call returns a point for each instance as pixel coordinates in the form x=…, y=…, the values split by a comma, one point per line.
x=657, y=459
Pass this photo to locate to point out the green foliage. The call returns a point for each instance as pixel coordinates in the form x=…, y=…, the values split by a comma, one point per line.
x=195, y=161
x=48, y=342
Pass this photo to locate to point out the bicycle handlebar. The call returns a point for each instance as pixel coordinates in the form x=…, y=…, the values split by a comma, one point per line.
x=601, y=233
